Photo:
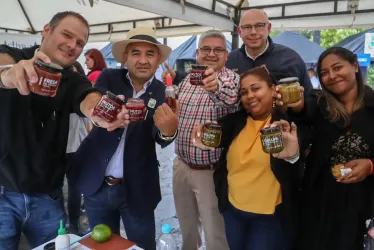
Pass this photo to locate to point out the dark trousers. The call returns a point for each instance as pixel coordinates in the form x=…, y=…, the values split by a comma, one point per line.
x=74, y=200
x=108, y=205
x=249, y=231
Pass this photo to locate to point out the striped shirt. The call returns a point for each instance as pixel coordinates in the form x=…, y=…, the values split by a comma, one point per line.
x=196, y=106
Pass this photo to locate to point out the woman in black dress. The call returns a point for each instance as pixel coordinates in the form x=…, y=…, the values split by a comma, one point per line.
x=334, y=209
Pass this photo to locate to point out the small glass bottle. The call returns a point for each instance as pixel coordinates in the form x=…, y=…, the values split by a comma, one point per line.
x=108, y=107
x=170, y=95
x=272, y=140
x=211, y=135
x=49, y=78
x=136, y=109
x=197, y=74
x=289, y=88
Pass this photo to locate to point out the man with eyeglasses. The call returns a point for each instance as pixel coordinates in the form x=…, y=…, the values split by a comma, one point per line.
x=195, y=200
x=259, y=49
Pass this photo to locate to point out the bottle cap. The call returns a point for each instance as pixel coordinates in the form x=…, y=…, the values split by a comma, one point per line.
x=169, y=81
x=61, y=230
x=166, y=229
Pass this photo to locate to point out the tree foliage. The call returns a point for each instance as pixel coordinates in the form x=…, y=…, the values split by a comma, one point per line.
x=331, y=37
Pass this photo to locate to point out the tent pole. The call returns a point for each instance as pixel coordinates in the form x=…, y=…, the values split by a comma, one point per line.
x=317, y=37
x=234, y=33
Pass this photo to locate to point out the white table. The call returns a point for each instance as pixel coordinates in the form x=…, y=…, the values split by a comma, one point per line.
x=73, y=238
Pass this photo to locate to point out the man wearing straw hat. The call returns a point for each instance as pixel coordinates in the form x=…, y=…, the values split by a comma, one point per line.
x=118, y=172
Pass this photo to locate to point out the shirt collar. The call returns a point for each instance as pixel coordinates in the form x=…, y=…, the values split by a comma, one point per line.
x=246, y=52
x=145, y=86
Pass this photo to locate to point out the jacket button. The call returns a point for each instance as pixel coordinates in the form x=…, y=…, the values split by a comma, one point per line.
x=119, y=138
x=106, y=160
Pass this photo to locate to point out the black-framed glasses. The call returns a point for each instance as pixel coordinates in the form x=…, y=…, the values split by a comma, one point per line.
x=257, y=26
x=217, y=51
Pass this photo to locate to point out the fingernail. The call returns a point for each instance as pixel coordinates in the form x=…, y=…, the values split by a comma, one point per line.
x=198, y=134
x=34, y=79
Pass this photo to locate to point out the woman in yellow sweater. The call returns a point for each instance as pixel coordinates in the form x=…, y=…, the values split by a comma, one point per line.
x=257, y=192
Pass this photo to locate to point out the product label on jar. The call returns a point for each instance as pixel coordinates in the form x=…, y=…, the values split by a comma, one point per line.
x=273, y=142
x=196, y=76
x=47, y=83
x=136, y=114
x=106, y=106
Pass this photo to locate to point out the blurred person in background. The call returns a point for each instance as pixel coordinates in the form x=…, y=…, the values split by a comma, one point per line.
x=95, y=62
x=78, y=130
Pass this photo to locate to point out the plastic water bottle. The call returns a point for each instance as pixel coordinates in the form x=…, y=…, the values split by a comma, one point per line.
x=166, y=240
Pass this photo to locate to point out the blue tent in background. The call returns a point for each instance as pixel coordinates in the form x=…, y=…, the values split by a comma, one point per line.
x=355, y=43
x=108, y=56
x=308, y=50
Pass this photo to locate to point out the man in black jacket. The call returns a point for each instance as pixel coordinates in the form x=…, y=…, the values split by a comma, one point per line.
x=34, y=131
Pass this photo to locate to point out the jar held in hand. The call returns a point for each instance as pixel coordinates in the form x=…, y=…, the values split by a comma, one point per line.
x=108, y=107
x=49, y=78
x=289, y=88
x=136, y=108
x=211, y=135
x=197, y=74
x=272, y=140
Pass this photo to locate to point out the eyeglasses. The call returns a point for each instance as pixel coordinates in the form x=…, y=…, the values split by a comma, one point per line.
x=257, y=26
x=217, y=51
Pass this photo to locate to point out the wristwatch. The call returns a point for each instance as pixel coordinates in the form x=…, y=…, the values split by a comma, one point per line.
x=2, y=69
x=167, y=138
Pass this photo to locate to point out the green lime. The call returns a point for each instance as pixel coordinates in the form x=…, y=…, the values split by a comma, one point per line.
x=101, y=233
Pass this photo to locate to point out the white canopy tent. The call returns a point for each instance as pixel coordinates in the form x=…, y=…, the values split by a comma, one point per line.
x=111, y=19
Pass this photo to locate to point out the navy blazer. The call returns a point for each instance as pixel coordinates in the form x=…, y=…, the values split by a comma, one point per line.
x=140, y=165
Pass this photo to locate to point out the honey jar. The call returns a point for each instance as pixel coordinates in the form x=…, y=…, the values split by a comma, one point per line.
x=272, y=140
x=289, y=88
x=211, y=135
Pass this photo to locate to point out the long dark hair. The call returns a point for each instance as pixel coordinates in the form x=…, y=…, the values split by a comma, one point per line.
x=336, y=108
x=98, y=58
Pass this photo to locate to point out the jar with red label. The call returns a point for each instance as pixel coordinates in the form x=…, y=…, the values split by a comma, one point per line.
x=136, y=109
x=197, y=74
x=108, y=107
x=49, y=78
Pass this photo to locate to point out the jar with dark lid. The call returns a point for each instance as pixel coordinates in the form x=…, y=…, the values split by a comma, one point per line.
x=289, y=88
x=211, y=135
x=49, y=78
x=272, y=140
x=197, y=74
x=108, y=107
x=136, y=108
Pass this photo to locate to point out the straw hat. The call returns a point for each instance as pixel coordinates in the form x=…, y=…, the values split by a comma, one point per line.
x=141, y=34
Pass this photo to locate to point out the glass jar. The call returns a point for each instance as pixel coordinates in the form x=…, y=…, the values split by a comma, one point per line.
x=108, y=107
x=272, y=140
x=49, y=78
x=289, y=88
x=197, y=74
x=211, y=135
x=136, y=109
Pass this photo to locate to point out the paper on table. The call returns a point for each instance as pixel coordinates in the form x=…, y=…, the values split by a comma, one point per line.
x=134, y=248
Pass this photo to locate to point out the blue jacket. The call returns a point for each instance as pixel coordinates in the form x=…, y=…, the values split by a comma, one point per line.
x=140, y=166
